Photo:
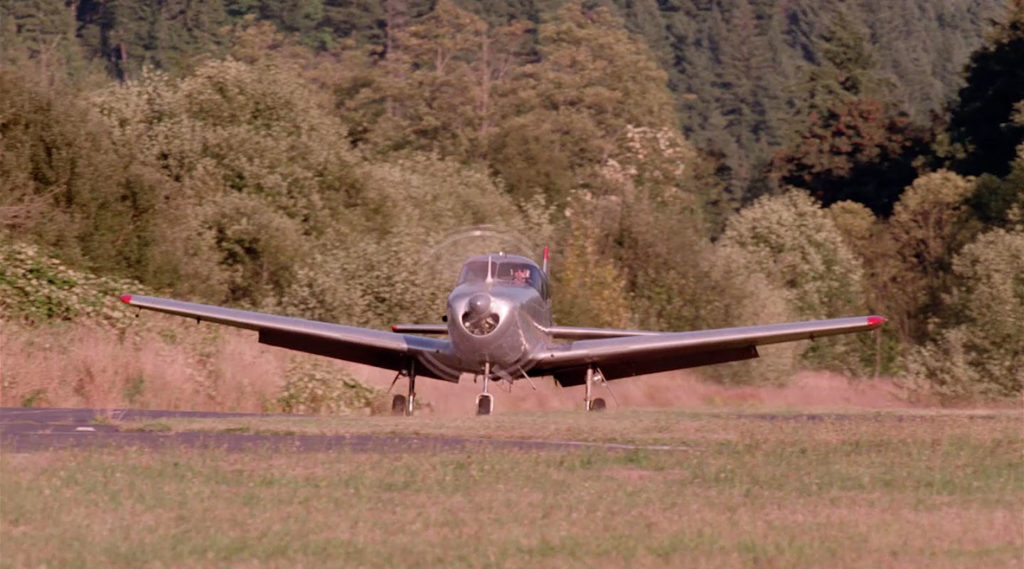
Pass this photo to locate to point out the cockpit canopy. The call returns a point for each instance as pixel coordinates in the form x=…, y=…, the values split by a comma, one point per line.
x=507, y=270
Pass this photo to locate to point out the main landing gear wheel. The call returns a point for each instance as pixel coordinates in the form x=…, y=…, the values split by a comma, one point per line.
x=398, y=405
x=484, y=404
x=598, y=405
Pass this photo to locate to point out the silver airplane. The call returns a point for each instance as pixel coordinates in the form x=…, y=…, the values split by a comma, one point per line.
x=499, y=328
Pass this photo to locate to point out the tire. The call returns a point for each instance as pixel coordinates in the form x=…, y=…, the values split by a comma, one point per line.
x=398, y=404
x=598, y=405
x=484, y=404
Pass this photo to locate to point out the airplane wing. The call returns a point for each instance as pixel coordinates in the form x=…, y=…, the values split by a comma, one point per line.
x=627, y=356
x=361, y=345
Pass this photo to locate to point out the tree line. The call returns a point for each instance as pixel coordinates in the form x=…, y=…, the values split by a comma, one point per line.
x=247, y=153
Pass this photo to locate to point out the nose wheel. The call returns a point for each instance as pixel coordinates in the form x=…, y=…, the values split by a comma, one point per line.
x=484, y=404
x=485, y=401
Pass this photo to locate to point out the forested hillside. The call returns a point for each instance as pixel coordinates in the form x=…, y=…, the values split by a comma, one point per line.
x=694, y=164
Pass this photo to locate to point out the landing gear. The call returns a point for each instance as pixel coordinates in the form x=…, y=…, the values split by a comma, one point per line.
x=402, y=404
x=485, y=401
x=591, y=403
x=484, y=404
x=398, y=405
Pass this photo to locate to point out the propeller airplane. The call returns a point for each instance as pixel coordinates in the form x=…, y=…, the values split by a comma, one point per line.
x=499, y=327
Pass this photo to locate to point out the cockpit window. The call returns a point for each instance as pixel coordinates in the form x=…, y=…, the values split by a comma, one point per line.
x=474, y=272
x=519, y=274
x=507, y=272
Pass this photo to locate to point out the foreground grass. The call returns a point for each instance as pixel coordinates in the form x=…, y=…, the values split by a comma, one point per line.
x=927, y=490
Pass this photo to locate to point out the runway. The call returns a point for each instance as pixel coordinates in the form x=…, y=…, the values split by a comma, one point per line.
x=36, y=430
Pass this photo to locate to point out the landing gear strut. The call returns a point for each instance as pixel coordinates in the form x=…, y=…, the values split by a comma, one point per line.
x=402, y=404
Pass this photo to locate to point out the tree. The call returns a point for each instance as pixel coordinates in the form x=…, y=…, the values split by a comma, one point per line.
x=593, y=81
x=62, y=184
x=980, y=349
x=981, y=122
x=853, y=151
x=40, y=30
x=392, y=260
x=435, y=86
x=796, y=243
x=590, y=290
x=848, y=145
x=1000, y=201
x=928, y=226
x=247, y=159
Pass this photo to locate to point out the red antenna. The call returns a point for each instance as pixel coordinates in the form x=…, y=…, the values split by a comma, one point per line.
x=545, y=266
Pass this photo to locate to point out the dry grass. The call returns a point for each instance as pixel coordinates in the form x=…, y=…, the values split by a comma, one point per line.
x=165, y=362
x=895, y=490
x=162, y=363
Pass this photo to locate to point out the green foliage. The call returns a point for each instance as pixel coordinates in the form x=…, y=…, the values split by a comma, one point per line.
x=798, y=246
x=324, y=168
x=982, y=120
x=928, y=226
x=852, y=151
x=590, y=289
x=61, y=184
x=245, y=161
x=564, y=115
x=392, y=264
x=38, y=289
x=317, y=387
x=801, y=248
x=979, y=351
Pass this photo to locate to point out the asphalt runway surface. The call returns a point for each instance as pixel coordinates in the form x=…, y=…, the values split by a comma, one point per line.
x=35, y=430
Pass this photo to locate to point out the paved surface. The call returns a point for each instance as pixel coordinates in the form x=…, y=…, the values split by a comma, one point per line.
x=31, y=430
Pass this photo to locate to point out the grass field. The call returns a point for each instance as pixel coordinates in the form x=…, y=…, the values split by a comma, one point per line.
x=923, y=489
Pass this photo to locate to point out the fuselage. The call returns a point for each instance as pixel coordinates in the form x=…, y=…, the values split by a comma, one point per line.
x=499, y=315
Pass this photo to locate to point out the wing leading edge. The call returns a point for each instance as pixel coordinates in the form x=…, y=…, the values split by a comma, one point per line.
x=361, y=345
x=628, y=356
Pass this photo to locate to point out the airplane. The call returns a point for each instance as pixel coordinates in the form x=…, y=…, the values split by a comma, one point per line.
x=499, y=327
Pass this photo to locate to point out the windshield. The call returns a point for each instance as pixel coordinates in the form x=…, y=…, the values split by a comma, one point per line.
x=474, y=272
x=514, y=273
x=518, y=274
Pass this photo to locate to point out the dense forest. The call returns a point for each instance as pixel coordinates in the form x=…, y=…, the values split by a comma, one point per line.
x=693, y=163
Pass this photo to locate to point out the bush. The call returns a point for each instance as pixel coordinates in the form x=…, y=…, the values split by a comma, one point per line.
x=797, y=245
x=979, y=352
x=316, y=386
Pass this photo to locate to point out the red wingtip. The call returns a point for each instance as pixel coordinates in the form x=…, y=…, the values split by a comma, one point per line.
x=126, y=298
x=545, y=253
x=875, y=321
x=394, y=327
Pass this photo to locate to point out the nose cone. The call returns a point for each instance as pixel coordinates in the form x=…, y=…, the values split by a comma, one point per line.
x=478, y=319
x=479, y=304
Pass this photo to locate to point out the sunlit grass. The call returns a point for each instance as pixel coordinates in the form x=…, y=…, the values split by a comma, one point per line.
x=924, y=490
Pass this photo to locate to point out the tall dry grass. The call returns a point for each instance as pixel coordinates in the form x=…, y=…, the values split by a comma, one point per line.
x=166, y=364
